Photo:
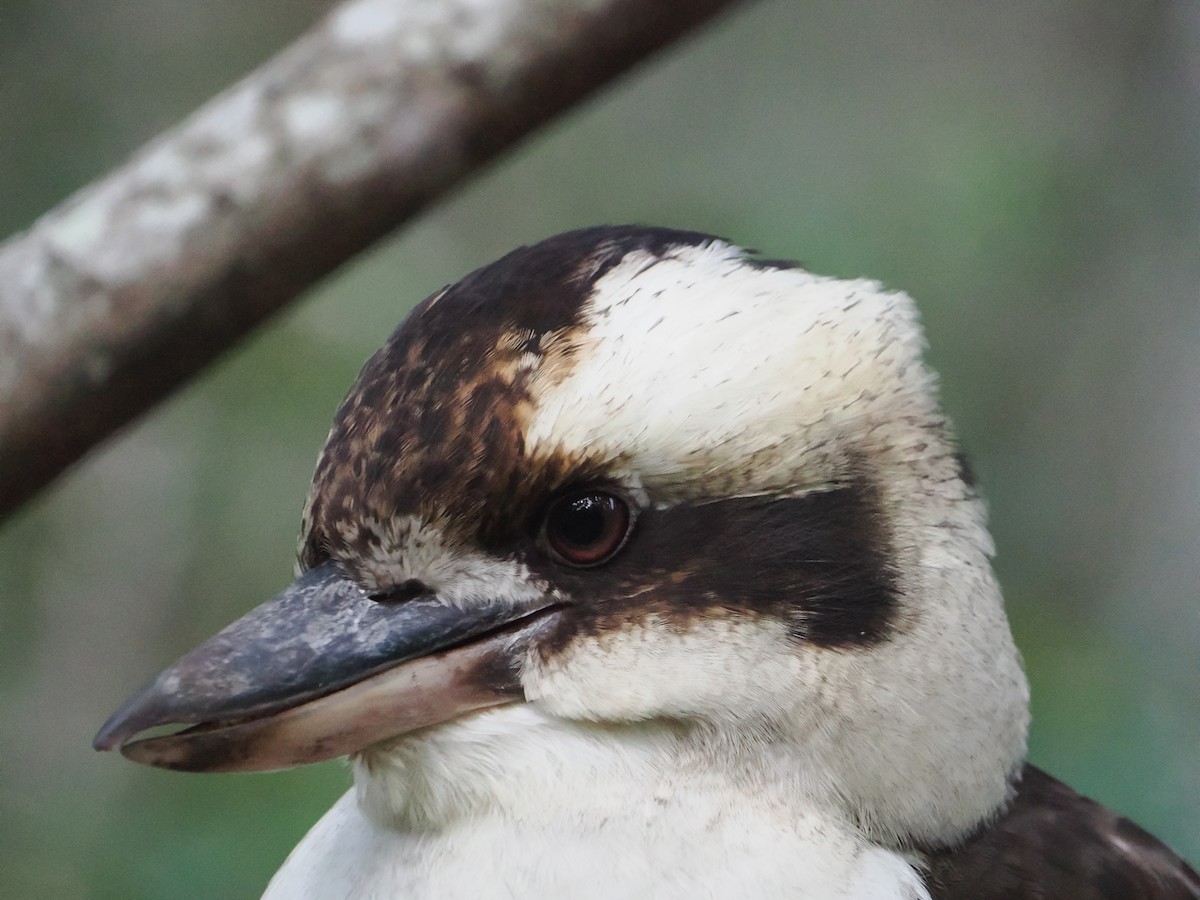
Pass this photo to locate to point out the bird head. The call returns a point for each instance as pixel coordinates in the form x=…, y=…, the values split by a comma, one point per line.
x=631, y=476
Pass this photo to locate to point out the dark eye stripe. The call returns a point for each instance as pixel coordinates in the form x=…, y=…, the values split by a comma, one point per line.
x=821, y=563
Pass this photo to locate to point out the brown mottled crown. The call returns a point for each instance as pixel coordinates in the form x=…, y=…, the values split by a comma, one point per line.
x=438, y=411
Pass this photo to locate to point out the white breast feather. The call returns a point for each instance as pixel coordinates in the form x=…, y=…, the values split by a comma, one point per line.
x=695, y=837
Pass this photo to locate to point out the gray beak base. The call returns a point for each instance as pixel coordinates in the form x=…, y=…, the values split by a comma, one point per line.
x=321, y=671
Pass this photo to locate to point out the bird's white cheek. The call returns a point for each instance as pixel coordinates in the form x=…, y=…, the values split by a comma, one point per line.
x=709, y=668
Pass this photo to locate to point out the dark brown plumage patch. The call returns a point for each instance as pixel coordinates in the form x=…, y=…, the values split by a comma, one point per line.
x=433, y=425
x=1054, y=843
x=820, y=563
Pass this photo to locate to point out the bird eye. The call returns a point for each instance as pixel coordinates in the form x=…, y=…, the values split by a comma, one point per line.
x=586, y=528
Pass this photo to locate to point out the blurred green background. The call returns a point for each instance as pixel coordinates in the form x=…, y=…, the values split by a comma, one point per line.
x=1029, y=171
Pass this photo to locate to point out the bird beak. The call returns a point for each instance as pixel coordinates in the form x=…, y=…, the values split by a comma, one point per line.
x=322, y=670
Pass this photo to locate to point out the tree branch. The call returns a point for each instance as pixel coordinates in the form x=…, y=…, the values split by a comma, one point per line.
x=138, y=281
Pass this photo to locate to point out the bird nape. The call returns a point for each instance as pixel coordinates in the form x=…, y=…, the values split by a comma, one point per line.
x=637, y=566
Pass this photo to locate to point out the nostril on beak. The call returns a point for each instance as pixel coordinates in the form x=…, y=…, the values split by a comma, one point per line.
x=402, y=592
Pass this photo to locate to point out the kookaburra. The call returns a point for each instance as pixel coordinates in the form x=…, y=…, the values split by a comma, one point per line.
x=635, y=566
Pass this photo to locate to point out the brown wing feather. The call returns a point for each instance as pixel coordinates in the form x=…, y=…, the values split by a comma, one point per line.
x=1055, y=843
